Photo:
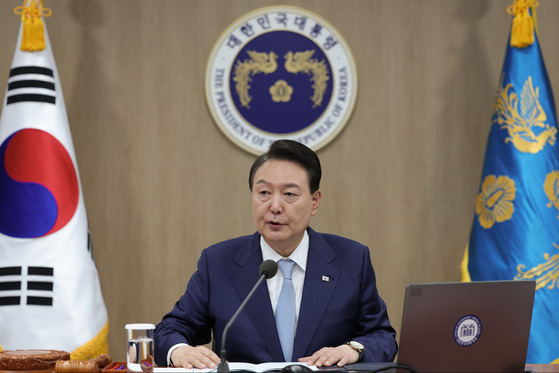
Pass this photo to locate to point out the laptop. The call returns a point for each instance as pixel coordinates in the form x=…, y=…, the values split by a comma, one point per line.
x=466, y=326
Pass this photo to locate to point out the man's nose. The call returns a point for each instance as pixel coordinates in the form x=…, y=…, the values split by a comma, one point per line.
x=276, y=204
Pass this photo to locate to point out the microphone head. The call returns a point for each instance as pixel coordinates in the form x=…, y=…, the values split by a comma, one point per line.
x=268, y=268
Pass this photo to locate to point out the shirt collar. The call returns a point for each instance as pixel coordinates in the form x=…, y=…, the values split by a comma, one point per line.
x=299, y=255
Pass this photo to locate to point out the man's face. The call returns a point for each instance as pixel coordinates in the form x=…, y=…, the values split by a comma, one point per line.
x=282, y=204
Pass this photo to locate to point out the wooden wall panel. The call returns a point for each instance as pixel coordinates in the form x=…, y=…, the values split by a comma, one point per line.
x=161, y=182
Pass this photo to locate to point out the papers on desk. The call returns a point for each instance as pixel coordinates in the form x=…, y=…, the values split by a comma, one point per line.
x=248, y=367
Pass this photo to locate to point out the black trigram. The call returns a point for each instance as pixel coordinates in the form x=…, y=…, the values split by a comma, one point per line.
x=34, y=290
x=31, y=84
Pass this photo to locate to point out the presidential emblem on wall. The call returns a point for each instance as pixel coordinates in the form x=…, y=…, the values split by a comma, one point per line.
x=281, y=72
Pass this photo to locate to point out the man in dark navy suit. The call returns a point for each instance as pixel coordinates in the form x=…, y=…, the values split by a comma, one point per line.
x=339, y=318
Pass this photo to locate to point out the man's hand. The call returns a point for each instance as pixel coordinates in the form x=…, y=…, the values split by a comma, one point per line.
x=329, y=356
x=194, y=357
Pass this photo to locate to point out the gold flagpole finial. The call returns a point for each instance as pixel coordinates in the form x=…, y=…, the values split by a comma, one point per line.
x=524, y=22
x=33, y=36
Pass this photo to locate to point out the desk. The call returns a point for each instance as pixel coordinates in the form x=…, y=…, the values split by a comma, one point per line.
x=542, y=368
x=538, y=368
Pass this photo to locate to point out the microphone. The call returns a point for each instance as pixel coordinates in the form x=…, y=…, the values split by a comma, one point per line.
x=268, y=269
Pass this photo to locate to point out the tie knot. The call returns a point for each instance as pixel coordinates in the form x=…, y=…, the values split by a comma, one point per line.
x=286, y=267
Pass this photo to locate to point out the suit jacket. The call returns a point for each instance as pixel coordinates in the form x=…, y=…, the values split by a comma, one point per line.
x=340, y=303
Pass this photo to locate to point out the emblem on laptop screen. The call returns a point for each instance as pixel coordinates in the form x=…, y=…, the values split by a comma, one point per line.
x=467, y=330
x=280, y=72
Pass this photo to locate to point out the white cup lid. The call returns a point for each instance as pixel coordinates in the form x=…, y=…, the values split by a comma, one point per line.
x=139, y=326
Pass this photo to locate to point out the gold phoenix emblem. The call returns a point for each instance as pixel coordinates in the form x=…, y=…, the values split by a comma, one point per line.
x=495, y=201
x=551, y=188
x=526, y=124
x=298, y=62
x=302, y=62
x=545, y=273
x=259, y=62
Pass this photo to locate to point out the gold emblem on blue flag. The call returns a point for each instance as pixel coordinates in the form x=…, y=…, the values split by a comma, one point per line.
x=545, y=274
x=551, y=188
x=495, y=201
x=524, y=118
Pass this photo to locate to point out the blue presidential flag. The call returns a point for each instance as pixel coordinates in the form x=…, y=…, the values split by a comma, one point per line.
x=50, y=295
x=515, y=233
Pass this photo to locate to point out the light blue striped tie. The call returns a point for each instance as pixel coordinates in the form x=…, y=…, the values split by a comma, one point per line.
x=285, y=310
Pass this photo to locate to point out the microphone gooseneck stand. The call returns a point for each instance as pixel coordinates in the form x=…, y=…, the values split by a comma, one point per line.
x=268, y=269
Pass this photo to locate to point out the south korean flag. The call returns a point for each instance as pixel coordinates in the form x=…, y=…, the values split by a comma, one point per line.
x=50, y=295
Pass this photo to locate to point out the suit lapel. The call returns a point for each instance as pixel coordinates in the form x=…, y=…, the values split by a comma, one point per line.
x=259, y=308
x=320, y=282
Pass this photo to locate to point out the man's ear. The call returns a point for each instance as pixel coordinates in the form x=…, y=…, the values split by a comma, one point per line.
x=316, y=201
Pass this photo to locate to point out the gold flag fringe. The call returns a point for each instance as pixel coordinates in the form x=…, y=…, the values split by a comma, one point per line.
x=96, y=346
x=465, y=273
x=33, y=35
x=524, y=23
